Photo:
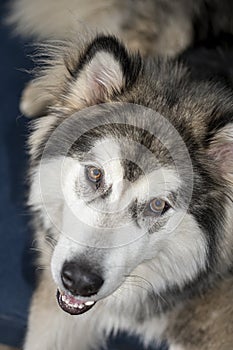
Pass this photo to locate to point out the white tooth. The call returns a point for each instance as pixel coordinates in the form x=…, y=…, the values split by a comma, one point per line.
x=81, y=306
x=76, y=305
x=89, y=303
x=63, y=298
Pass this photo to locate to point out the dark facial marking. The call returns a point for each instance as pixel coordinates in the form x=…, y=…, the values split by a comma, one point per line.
x=131, y=170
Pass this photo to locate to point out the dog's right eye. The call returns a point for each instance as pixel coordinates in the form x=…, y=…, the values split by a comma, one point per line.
x=94, y=174
x=158, y=207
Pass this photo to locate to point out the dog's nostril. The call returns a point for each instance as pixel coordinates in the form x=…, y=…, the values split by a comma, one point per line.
x=67, y=278
x=79, y=280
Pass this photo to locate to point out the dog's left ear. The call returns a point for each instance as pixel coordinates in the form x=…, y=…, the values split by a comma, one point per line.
x=72, y=81
x=105, y=69
x=221, y=151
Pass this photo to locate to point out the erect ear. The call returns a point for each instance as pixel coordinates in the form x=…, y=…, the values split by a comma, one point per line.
x=221, y=151
x=72, y=81
x=105, y=69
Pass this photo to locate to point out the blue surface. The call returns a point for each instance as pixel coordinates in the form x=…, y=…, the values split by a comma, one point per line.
x=16, y=280
x=16, y=271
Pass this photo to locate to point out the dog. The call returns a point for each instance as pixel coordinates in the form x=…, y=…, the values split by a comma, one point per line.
x=131, y=175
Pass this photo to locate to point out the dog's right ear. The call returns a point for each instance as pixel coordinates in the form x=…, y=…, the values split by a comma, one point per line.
x=103, y=70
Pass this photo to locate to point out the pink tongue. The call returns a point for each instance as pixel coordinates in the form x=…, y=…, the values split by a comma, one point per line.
x=73, y=300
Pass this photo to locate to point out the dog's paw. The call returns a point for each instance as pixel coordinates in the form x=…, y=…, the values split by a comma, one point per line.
x=34, y=102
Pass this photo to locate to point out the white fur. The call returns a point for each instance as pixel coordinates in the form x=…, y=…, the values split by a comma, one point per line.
x=100, y=77
x=58, y=18
x=176, y=347
x=60, y=331
x=172, y=255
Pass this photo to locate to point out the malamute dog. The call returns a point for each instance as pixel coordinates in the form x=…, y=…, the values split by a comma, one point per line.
x=131, y=173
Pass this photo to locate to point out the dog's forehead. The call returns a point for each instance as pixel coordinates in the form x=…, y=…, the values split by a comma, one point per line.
x=105, y=150
x=133, y=156
x=121, y=161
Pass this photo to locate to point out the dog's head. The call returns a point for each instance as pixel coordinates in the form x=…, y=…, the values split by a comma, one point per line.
x=131, y=176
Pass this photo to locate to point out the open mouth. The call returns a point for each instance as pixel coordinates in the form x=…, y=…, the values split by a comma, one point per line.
x=73, y=305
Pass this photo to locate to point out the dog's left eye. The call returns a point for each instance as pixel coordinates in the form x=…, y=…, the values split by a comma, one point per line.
x=158, y=206
x=94, y=174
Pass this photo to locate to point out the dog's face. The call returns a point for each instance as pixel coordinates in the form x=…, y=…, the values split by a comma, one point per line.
x=131, y=198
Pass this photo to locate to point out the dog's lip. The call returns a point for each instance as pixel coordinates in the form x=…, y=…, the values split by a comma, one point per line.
x=73, y=305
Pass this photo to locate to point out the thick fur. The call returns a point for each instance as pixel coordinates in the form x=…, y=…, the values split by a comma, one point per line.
x=175, y=281
x=152, y=26
x=160, y=26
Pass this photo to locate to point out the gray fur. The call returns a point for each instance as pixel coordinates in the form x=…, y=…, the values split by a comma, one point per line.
x=170, y=282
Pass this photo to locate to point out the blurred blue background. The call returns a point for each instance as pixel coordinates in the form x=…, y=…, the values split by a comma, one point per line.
x=16, y=275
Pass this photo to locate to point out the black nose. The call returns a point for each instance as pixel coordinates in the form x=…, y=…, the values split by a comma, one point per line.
x=79, y=280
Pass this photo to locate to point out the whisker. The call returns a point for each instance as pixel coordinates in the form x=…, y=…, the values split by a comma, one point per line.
x=154, y=295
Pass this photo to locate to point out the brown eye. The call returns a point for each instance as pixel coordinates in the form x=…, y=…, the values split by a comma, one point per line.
x=158, y=206
x=94, y=174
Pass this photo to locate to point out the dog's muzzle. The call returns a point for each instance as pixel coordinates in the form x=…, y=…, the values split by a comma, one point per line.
x=79, y=282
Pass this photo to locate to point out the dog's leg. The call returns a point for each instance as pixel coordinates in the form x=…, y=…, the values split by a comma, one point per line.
x=52, y=329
